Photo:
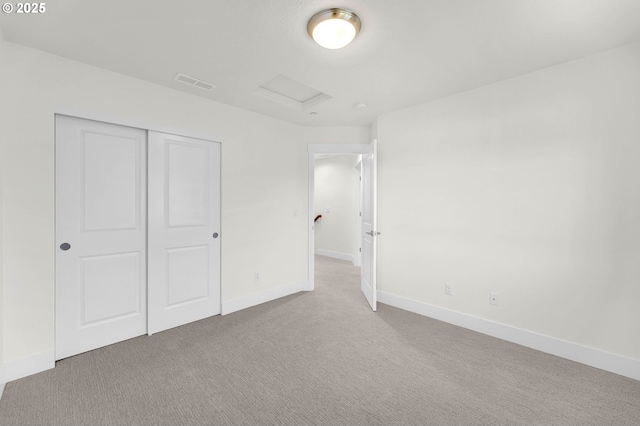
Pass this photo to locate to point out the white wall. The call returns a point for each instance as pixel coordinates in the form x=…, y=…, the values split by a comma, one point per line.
x=264, y=179
x=3, y=114
x=337, y=135
x=529, y=188
x=336, y=184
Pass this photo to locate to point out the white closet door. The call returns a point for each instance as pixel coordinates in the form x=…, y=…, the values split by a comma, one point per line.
x=100, y=234
x=184, y=230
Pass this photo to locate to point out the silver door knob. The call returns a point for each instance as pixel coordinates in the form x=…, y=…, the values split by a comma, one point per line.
x=215, y=235
x=65, y=246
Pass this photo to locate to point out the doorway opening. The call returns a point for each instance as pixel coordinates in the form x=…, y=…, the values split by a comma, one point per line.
x=337, y=204
x=341, y=206
x=337, y=215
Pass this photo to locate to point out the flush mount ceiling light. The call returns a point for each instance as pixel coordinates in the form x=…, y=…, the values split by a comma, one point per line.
x=334, y=28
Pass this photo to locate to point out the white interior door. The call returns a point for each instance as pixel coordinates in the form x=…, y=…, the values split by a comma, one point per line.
x=369, y=230
x=184, y=230
x=100, y=234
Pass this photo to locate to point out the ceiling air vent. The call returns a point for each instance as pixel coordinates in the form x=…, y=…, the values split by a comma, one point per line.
x=191, y=81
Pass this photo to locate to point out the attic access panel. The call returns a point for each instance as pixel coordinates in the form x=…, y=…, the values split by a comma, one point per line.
x=291, y=93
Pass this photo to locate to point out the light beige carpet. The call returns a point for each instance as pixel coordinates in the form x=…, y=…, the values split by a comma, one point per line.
x=320, y=358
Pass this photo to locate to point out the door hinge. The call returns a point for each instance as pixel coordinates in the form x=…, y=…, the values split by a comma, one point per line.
x=360, y=214
x=360, y=178
x=360, y=249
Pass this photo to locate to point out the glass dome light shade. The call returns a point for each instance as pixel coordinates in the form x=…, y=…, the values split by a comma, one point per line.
x=334, y=28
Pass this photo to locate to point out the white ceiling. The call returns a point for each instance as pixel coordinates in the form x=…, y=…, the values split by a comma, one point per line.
x=409, y=51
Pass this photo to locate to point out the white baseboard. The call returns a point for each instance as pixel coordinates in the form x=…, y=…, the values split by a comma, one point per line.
x=335, y=255
x=32, y=364
x=262, y=297
x=583, y=354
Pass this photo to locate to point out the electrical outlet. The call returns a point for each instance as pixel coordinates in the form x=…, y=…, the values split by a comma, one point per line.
x=328, y=210
x=257, y=276
x=448, y=289
x=493, y=299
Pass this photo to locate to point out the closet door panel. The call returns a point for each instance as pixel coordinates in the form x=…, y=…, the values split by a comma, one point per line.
x=184, y=230
x=100, y=234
